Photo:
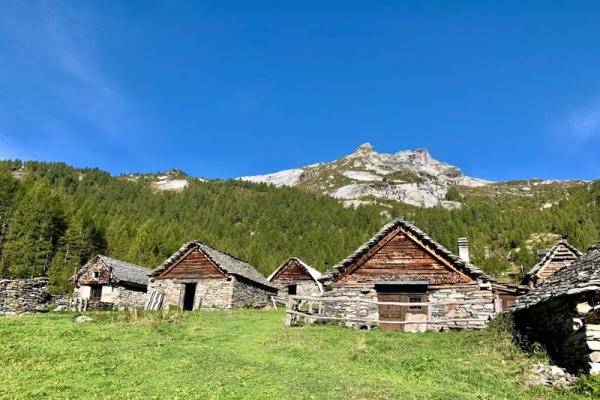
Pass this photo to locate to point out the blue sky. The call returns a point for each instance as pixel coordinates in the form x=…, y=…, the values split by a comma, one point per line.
x=220, y=89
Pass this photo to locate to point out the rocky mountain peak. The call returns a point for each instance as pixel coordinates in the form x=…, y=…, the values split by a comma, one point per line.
x=409, y=176
x=422, y=156
x=365, y=148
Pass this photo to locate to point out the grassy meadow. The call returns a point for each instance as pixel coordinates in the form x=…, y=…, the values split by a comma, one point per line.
x=250, y=354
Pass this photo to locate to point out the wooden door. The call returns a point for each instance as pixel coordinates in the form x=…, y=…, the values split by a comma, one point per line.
x=389, y=312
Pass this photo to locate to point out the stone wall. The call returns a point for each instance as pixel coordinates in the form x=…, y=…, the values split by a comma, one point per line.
x=210, y=293
x=478, y=305
x=247, y=293
x=124, y=298
x=223, y=293
x=23, y=296
x=121, y=297
x=303, y=288
x=569, y=329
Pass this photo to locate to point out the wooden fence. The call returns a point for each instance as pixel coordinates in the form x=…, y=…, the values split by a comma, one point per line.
x=311, y=309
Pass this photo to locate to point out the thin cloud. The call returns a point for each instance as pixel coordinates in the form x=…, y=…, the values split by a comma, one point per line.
x=9, y=150
x=61, y=92
x=582, y=125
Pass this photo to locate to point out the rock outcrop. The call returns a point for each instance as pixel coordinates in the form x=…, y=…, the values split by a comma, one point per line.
x=411, y=177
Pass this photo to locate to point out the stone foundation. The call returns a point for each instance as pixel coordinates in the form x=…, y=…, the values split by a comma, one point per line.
x=23, y=296
x=479, y=305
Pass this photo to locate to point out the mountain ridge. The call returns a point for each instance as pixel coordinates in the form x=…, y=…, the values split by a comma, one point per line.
x=409, y=176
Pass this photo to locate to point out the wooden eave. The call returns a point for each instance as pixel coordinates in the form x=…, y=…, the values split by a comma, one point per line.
x=369, y=254
x=187, y=253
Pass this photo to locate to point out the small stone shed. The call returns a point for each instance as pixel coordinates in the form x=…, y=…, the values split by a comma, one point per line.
x=104, y=279
x=294, y=277
x=402, y=264
x=200, y=276
x=563, y=314
x=551, y=261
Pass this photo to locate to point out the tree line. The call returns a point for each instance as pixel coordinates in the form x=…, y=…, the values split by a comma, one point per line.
x=54, y=218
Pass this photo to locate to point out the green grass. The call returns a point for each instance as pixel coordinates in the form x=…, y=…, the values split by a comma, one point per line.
x=250, y=354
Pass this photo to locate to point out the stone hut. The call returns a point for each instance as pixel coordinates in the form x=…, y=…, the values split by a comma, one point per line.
x=563, y=314
x=294, y=277
x=104, y=279
x=200, y=276
x=402, y=264
x=551, y=261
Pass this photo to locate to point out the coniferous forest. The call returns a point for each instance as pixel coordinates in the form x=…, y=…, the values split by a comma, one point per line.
x=53, y=218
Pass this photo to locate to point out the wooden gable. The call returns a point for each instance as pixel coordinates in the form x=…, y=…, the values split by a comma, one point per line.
x=292, y=272
x=400, y=256
x=95, y=273
x=561, y=257
x=193, y=265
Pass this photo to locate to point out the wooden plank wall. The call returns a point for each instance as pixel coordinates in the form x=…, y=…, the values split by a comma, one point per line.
x=194, y=266
x=561, y=258
x=404, y=259
x=292, y=273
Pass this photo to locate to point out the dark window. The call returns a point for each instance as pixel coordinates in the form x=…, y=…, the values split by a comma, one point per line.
x=96, y=274
x=96, y=292
x=414, y=299
x=292, y=289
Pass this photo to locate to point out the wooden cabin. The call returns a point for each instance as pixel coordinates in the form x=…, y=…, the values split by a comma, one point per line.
x=294, y=277
x=551, y=261
x=402, y=264
x=107, y=280
x=562, y=313
x=200, y=276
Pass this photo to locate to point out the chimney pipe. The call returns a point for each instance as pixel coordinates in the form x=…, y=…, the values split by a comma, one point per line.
x=463, y=249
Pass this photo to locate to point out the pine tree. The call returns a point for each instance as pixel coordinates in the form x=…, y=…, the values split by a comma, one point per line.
x=33, y=233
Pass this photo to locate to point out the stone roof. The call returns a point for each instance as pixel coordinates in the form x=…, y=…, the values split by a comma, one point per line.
x=122, y=271
x=314, y=274
x=228, y=263
x=582, y=275
x=458, y=263
x=548, y=255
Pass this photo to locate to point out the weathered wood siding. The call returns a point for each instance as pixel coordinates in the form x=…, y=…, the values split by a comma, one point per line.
x=193, y=266
x=560, y=259
x=293, y=273
x=87, y=277
x=402, y=259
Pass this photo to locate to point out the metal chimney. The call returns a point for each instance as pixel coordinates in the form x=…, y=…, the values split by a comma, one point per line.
x=463, y=249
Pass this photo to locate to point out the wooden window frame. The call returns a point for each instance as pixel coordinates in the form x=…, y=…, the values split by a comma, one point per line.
x=415, y=298
x=96, y=289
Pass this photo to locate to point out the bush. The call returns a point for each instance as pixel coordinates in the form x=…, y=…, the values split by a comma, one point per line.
x=588, y=385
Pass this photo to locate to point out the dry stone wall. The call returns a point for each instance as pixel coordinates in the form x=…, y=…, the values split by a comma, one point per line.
x=303, y=288
x=210, y=293
x=232, y=292
x=247, y=293
x=569, y=328
x=477, y=306
x=23, y=296
x=124, y=298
